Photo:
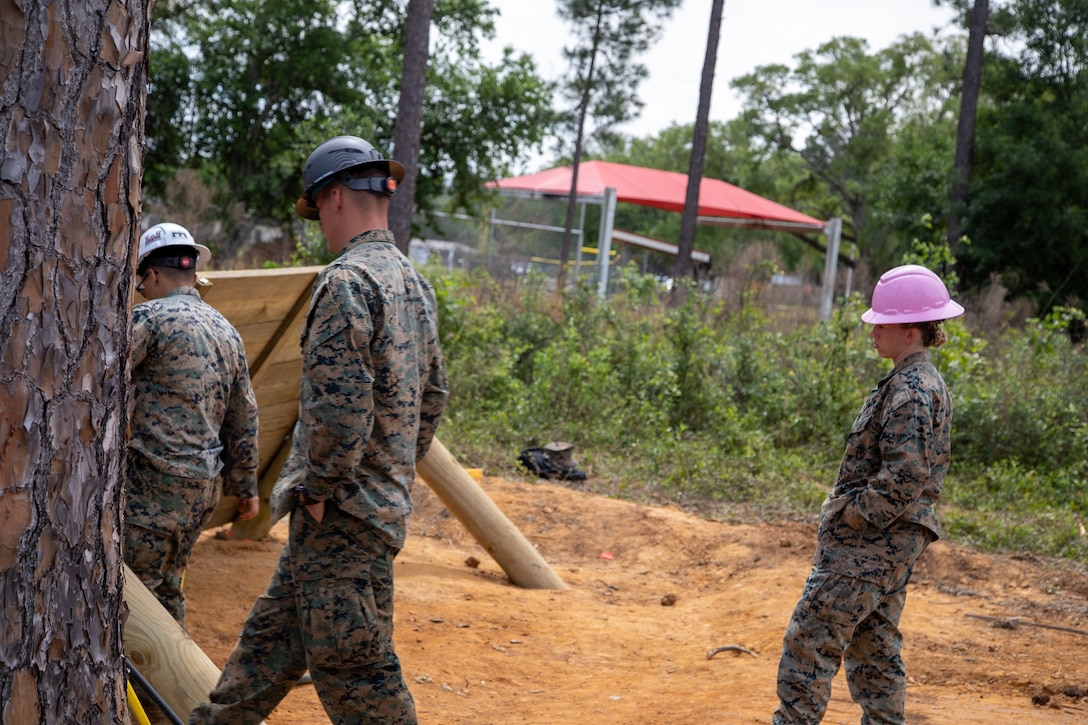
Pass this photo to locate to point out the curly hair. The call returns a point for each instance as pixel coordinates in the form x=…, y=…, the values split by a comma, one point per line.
x=932, y=333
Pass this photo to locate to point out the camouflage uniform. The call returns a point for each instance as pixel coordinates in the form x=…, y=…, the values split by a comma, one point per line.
x=193, y=432
x=373, y=389
x=896, y=458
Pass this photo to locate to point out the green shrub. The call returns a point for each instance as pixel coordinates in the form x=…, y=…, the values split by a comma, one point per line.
x=710, y=410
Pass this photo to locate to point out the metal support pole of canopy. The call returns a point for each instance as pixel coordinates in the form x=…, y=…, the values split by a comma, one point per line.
x=604, y=244
x=831, y=261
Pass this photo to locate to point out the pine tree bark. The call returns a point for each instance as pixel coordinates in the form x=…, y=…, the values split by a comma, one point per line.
x=72, y=87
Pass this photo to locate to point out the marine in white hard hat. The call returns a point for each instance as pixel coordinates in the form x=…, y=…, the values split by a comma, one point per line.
x=168, y=246
x=164, y=243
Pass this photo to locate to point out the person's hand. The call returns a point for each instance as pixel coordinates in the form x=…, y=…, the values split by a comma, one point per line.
x=852, y=517
x=248, y=507
x=316, y=510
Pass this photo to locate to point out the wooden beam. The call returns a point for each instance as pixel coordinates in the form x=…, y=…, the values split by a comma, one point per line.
x=284, y=343
x=168, y=659
x=485, y=521
x=271, y=305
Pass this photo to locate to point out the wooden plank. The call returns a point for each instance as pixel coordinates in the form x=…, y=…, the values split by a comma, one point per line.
x=238, y=281
x=287, y=349
x=248, y=300
x=284, y=345
x=268, y=308
x=224, y=513
x=256, y=307
x=259, y=526
x=278, y=419
x=250, y=274
x=280, y=386
x=256, y=336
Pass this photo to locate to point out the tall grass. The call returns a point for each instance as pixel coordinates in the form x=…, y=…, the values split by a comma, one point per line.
x=731, y=415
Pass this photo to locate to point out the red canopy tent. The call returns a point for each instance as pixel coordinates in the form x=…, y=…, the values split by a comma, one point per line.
x=720, y=204
x=719, y=201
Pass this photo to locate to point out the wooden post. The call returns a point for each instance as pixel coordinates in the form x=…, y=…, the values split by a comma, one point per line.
x=169, y=660
x=485, y=521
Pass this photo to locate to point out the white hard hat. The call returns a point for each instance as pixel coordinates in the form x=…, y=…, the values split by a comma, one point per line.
x=169, y=234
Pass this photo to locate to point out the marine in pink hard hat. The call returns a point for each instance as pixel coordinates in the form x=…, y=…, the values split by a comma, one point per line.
x=908, y=294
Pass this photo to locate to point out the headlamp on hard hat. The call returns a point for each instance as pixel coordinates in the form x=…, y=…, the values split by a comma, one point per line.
x=384, y=185
x=169, y=245
x=173, y=257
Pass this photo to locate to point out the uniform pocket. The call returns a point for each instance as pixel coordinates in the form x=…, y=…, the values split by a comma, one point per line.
x=347, y=627
x=839, y=598
x=862, y=421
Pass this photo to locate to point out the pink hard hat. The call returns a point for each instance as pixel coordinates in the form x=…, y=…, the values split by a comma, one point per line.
x=910, y=293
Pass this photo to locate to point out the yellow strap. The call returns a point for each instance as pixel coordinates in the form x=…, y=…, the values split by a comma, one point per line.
x=136, y=708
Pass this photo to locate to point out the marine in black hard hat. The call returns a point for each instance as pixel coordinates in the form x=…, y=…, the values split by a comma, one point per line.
x=351, y=161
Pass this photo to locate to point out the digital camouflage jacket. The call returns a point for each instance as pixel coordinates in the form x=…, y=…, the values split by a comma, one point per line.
x=373, y=387
x=898, y=450
x=194, y=411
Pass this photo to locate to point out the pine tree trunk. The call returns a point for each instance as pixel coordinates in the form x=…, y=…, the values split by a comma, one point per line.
x=965, y=130
x=406, y=133
x=72, y=87
x=697, y=163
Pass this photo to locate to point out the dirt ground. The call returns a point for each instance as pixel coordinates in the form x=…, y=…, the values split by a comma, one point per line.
x=988, y=639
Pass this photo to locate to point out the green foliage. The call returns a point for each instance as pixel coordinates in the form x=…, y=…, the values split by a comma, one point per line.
x=1054, y=532
x=260, y=70
x=1025, y=402
x=249, y=87
x=604, y=68
x=712, y=411
x=932, y=251
x=310, y=249
x=477, y=120
x=684, y=398
x=911, y=192
x=846, y=113
x=1028, y=211
x=168, y=130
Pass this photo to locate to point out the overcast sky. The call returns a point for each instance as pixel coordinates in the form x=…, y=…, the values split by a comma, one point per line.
x=754, y=33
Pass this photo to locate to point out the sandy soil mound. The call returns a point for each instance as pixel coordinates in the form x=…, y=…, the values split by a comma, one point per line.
x=989, y=639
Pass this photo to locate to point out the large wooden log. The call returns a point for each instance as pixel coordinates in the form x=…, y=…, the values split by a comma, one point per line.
x=485, y=521
x=163, y=653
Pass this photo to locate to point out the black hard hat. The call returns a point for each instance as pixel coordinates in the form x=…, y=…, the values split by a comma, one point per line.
x=337, y=155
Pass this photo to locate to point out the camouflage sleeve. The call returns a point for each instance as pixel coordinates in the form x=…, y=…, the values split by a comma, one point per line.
x=238, y=435
x=142, y=334
x=904, y=471
x=336, y=414
x=436, y=393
